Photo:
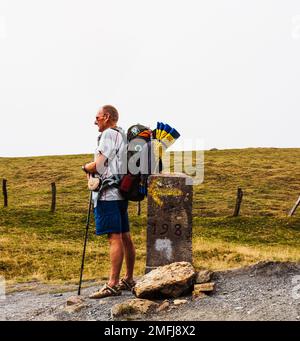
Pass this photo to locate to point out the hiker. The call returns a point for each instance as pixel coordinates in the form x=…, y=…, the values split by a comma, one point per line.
x=110, y=208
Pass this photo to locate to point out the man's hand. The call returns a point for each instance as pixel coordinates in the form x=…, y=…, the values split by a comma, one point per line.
x=90, y=168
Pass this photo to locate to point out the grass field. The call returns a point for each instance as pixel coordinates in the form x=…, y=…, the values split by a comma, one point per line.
x=38, y=245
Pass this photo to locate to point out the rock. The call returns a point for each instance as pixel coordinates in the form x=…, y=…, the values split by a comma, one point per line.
x=165, y=305
x=213, y=149
x=133, y=307
x=204, y=287
x=74, y=308
x=170, y=280
x=74, y=304
x=198, y=294
x=74, y=300
x=203, y=276
x=179, y=302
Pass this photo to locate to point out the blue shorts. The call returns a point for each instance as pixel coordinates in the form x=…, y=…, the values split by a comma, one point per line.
x=111, y=217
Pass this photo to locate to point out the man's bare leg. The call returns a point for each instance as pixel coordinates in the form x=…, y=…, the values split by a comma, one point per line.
x=116, y=257
x=129, y=252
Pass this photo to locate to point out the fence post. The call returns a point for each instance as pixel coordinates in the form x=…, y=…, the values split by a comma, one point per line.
x=53, y=203
x=4, y=190
x=239, y=199
x=139, y=208
x=293, y=210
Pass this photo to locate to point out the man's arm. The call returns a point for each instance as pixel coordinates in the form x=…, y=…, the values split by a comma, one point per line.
x=96, y=166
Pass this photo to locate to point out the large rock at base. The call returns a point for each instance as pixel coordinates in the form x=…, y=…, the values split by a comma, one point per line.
x=171, y=280
x=133, y=308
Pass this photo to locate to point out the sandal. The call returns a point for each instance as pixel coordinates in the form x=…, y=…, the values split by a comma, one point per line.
x=126, y=285
x=106, y=291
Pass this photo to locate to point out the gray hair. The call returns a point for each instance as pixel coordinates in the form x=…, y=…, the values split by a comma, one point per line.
x=112, y=111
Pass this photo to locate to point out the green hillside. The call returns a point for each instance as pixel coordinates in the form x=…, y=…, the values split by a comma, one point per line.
x=38, y=245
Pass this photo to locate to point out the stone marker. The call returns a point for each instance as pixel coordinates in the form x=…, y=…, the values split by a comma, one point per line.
x=169, y=228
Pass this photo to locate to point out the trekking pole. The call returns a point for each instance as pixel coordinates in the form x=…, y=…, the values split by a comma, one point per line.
x=85, y=241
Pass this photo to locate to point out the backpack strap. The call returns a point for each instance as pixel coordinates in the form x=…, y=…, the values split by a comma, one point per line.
x=114, y=180
x=123, y=136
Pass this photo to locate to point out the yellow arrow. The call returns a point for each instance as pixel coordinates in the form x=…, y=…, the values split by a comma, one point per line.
x=156, y=191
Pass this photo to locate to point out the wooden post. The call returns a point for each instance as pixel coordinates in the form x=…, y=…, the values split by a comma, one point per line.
x=293, y=210
x=139, y=208
x=53, y=203
x=4, y=190
x=239, y=199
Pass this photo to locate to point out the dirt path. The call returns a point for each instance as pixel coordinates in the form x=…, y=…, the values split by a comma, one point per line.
x=265, y=291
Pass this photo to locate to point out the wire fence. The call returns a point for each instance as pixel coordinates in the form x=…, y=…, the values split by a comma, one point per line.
x=52, y=203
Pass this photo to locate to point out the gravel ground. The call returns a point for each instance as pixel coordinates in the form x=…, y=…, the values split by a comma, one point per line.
x=265, y=291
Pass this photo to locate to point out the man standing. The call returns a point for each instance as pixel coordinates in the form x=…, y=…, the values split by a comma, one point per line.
x=110, y=208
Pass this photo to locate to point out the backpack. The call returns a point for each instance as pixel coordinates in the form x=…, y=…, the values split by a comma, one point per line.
x=133, y=186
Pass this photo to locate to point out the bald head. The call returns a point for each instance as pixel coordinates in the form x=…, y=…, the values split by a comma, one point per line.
x=107, y=117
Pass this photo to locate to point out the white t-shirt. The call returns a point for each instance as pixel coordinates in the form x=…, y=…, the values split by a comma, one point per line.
x=111, y=145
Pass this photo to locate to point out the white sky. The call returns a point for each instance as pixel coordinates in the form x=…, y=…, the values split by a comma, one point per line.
x=224, y=71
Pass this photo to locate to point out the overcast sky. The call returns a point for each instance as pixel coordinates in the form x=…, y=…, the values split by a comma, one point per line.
x=223, y=71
